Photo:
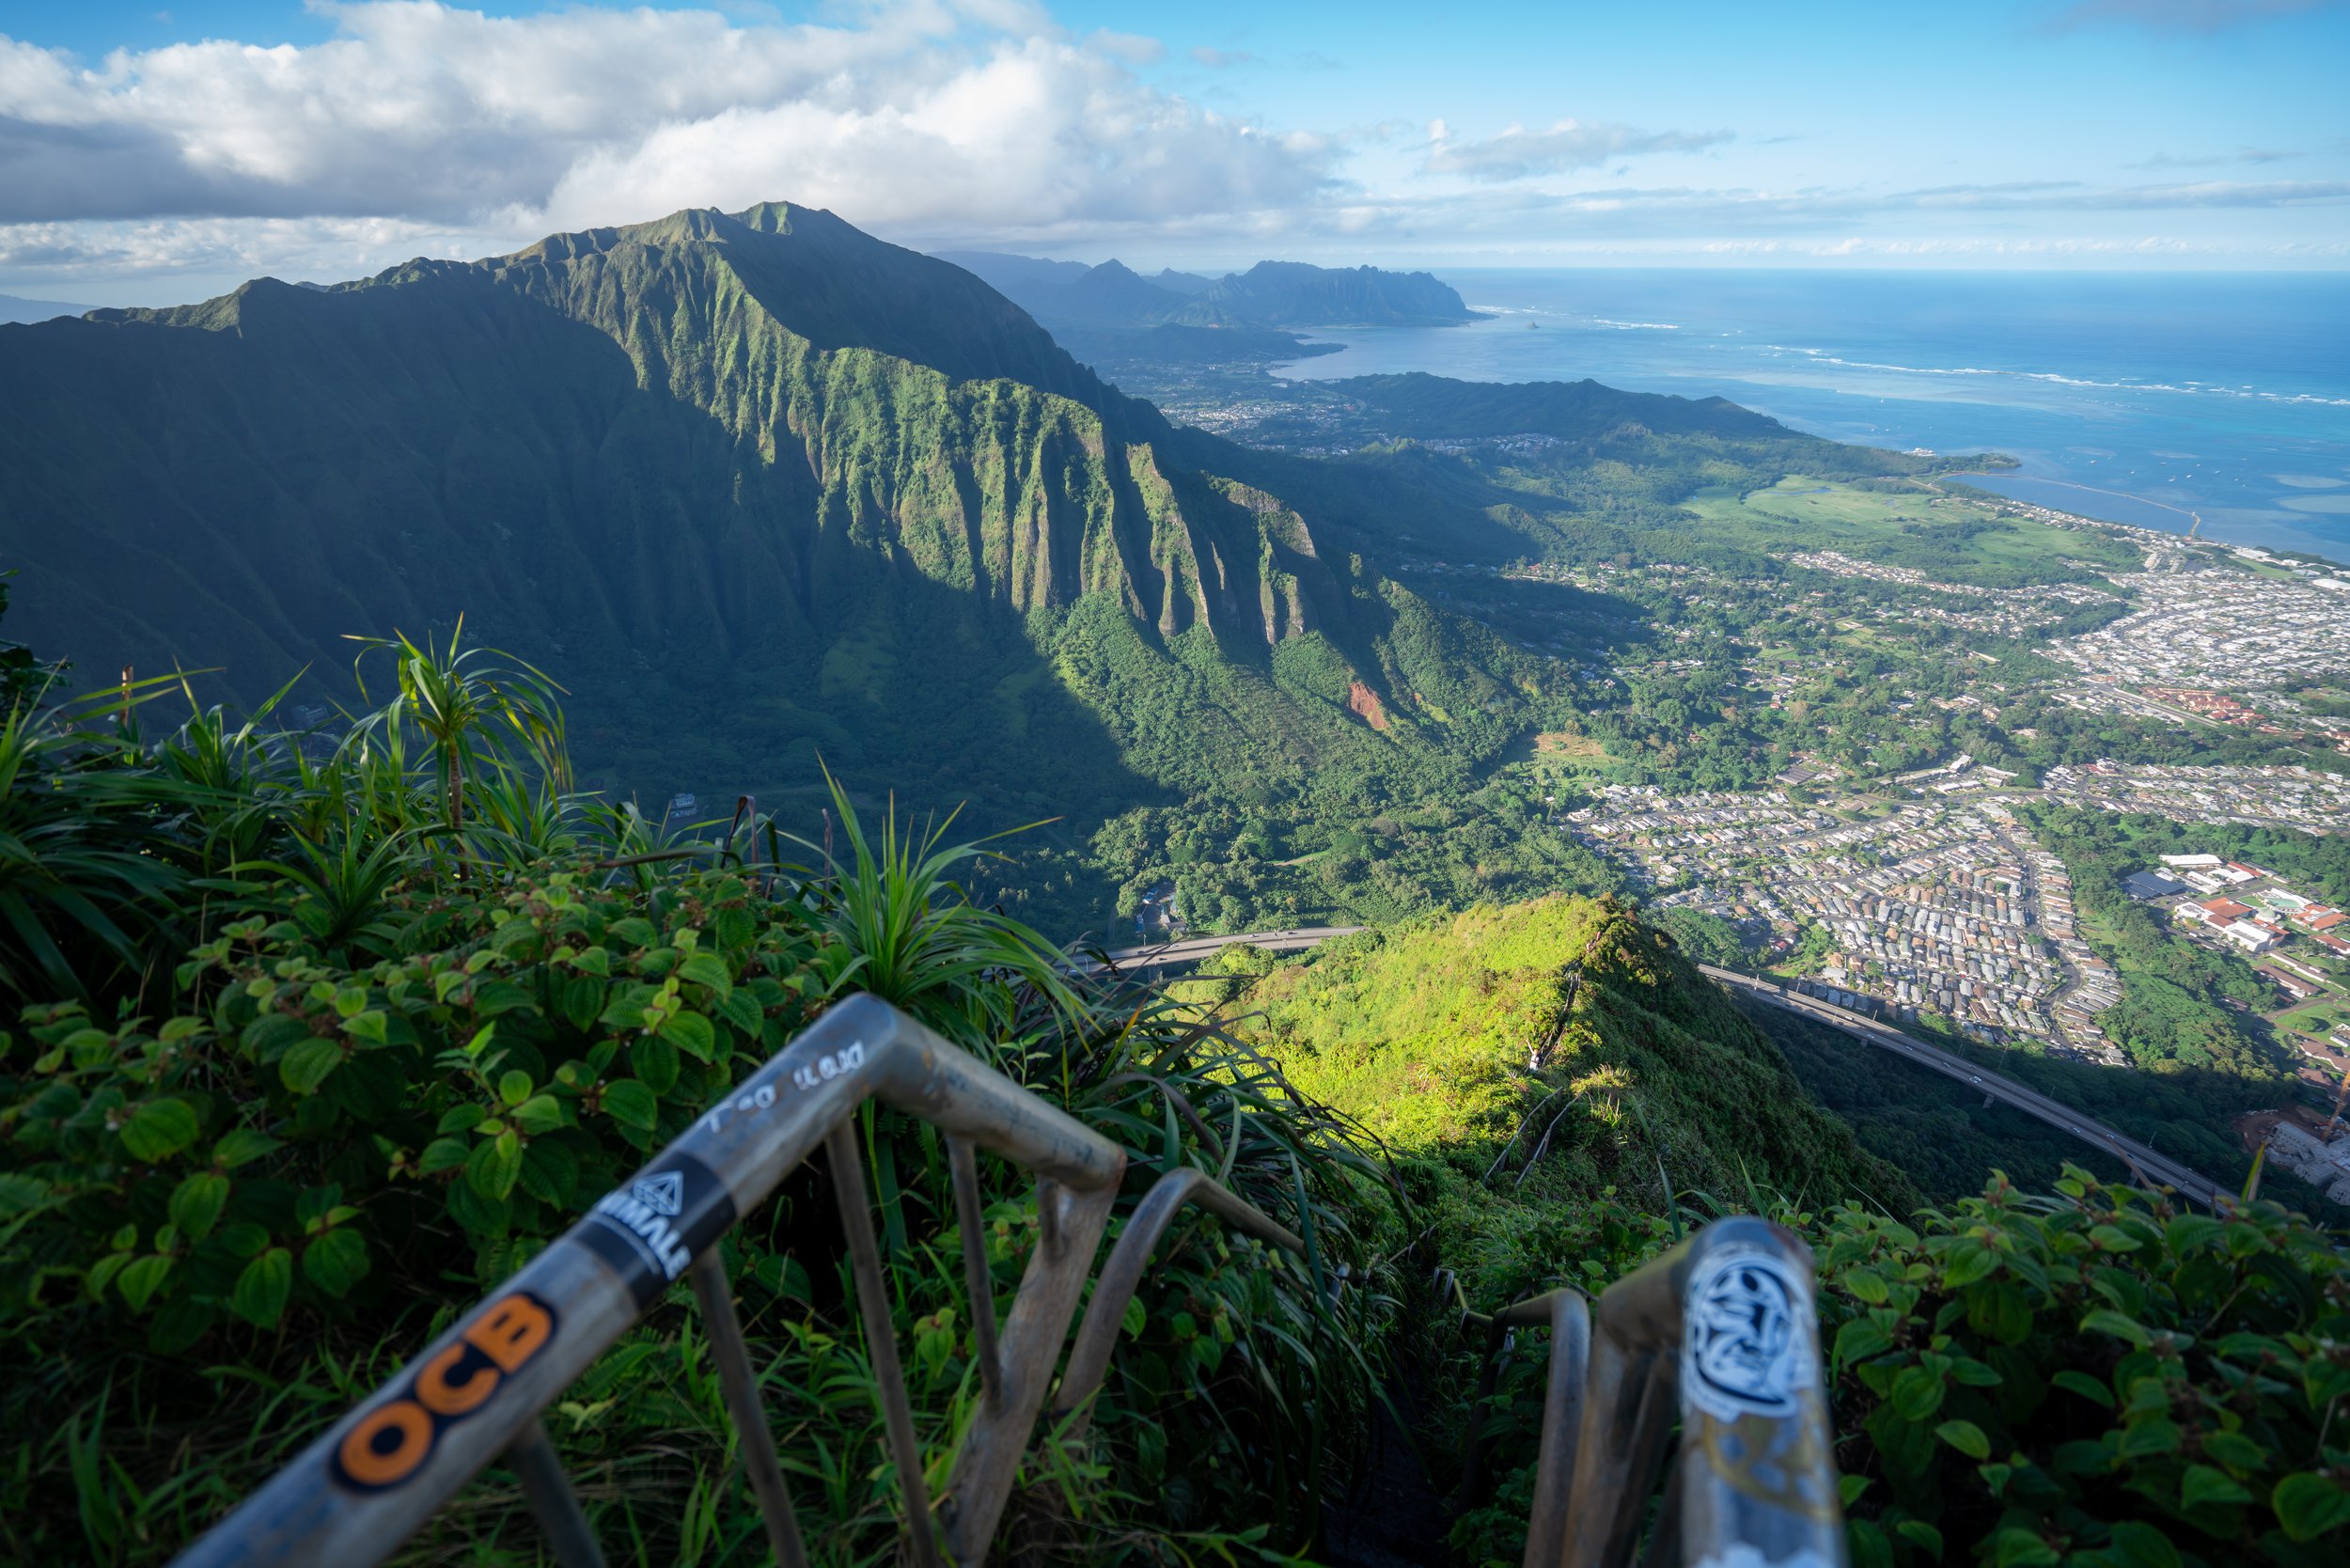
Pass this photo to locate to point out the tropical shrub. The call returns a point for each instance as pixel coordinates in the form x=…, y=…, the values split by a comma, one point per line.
x=393, y=1008
x=2096, y=1377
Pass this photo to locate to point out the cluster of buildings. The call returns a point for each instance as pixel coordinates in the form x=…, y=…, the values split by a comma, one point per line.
x=1936, y=907
x=2218, y=707
x=2200, y=638
x=2258, y=796
x=2234, y=905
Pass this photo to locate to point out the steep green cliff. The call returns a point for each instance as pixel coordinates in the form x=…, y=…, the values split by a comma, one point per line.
x=751, y=485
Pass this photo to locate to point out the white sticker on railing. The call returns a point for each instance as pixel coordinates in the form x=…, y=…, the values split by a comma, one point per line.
x=1743, y=1351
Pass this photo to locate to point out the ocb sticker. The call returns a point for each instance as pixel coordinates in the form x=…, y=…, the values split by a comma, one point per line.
x=391, y=1441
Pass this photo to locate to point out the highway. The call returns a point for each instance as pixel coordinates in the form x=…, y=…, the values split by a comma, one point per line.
x=2144, y=1164
x=1193, y=949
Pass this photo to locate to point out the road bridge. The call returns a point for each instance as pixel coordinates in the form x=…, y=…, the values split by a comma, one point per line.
x=1196, y=949
x=2144, y=1164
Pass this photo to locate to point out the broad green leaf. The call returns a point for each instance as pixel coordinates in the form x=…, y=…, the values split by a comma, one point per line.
x=1868, y=1545
x=242, y=1239
x=21, y=1194
x=2308, y=1506
x=307, y=1062
x=241, y=1146
x=583, y=999
x=2021, y=1548
x=2140, y=1439
x=632, y=1105
x=742, y=1010
x=1967, y=1439
x=2237, y=1450
x=513, y=1088
x=335, y=1260
x=1999, y=1309
x=1968, y=1264
x=693, y=1034
x=654, y=1060
x=2087, y=1386
x=142, y=1279
x=1917, y=1393
x=1133, y=1318
x=549, y=1172
x=160, y=1128
x=1867, y=1284
x=2203, y=1484
x=1973, y=1374
x=707, y=969
x=1923, y=1534
x=444, y=1153
x=261, y=1291
x=2104, y=1321
x=494, y=1165
x=1859, y=1339
x=196, y=1202
x=2190, y=1232
x=2141, y=1545
x=541, y=1113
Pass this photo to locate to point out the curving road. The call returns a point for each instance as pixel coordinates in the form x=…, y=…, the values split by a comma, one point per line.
x=1194, y=950
x=2144, y=1164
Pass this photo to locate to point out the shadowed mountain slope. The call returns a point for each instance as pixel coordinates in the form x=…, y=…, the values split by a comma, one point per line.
x=752, y=485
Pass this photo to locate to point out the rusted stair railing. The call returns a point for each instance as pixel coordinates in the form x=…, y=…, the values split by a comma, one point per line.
x=1719, y=1335
x=354, y=1496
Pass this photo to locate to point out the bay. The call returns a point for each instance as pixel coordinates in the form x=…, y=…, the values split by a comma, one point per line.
x=2211, y=401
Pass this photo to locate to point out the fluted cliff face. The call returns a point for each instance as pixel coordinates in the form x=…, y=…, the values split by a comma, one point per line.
x=762, y=453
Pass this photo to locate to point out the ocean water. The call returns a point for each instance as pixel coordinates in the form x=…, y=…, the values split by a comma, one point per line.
x=2158, y=399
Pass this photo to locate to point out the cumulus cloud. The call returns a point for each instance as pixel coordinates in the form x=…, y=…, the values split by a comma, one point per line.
x=1569, y=145
x=1218, y=60
x=937, y=113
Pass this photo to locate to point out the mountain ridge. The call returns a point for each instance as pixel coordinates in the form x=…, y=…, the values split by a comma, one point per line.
x=687, y=467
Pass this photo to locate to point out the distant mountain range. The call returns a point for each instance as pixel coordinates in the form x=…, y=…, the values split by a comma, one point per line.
x=13, y=308
x=1110, y=311
x=757, y=486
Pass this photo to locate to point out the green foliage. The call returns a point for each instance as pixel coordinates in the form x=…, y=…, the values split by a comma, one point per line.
x=2095, y=1377
x=392, y=1044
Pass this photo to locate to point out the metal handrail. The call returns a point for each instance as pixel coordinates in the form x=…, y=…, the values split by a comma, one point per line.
x=1720, y=1334
x=356, y=1494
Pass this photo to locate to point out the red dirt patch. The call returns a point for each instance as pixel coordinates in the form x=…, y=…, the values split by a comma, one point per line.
x=1364, y=704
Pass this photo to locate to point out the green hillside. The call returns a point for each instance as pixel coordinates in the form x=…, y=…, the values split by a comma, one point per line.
x=1565, y=1023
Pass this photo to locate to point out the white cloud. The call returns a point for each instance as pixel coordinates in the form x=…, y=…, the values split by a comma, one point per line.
x=933, y=115
x=1569, y=145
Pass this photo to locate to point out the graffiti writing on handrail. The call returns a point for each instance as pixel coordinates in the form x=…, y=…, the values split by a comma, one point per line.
x=826, y=1068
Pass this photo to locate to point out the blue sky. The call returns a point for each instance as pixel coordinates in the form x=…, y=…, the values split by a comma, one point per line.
x=151, y=153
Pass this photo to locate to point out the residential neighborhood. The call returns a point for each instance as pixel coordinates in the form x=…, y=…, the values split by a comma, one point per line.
x=1941, y=906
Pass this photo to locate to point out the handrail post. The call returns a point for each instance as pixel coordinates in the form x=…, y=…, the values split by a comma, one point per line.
x=881, y=1335
x=741, y=1387
x=1725, y=1327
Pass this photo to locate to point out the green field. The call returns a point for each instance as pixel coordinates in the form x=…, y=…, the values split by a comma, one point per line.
x=1946, y=537
x=2318, y=1020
